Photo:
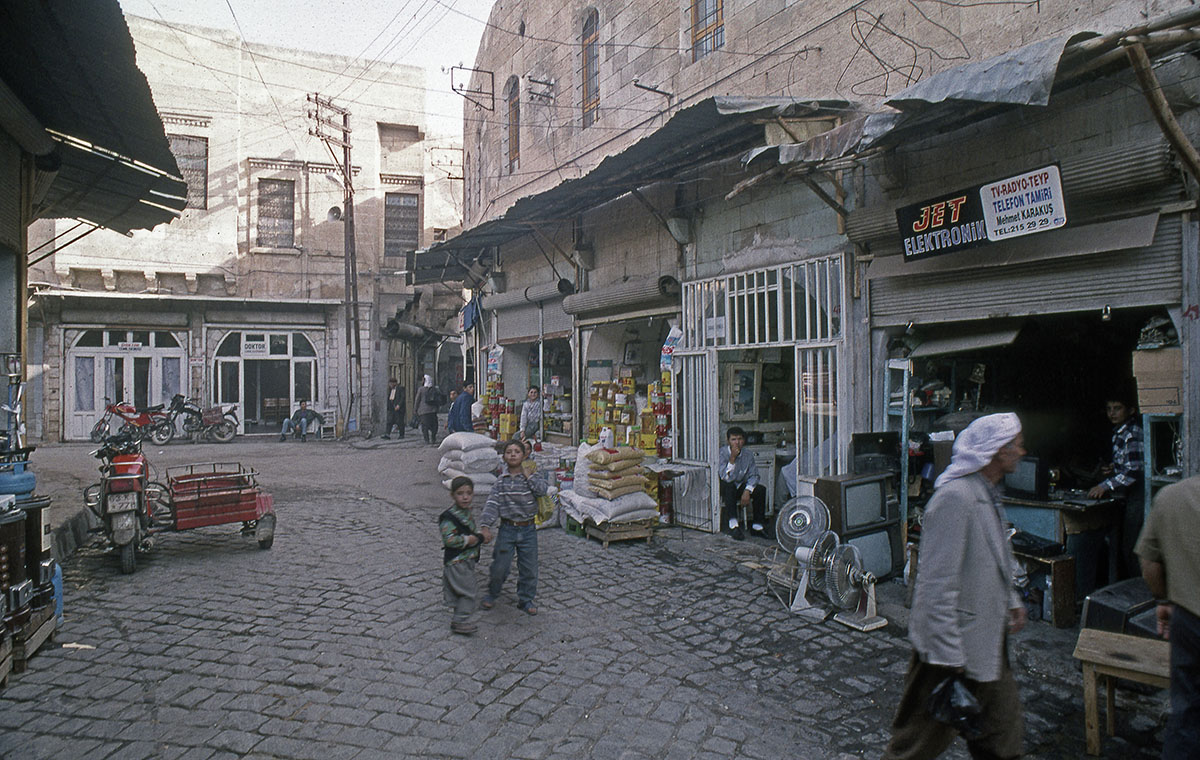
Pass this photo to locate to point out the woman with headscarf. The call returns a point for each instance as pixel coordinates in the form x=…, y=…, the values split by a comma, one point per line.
x=426, y=406
x=965, y=605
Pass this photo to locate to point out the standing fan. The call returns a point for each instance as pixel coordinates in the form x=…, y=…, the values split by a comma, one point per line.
x=852, y=589
x=802, y=530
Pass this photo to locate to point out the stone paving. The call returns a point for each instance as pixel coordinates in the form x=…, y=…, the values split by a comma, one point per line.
x=335, y=644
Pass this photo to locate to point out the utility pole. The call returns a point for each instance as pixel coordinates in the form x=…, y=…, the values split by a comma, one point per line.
x=353, y=336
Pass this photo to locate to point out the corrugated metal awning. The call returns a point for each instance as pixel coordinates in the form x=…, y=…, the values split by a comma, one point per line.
x=954, y=344
x=72, y=64
x=713, y=129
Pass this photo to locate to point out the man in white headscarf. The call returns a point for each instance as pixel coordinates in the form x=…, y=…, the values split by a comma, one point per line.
x=426, y=407
x=965, y=604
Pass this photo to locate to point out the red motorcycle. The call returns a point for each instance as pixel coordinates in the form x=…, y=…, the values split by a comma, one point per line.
x=132, y=508
x=151, y=422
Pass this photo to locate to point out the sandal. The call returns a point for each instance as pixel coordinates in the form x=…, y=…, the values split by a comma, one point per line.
x=528, y=609
x=487, y=603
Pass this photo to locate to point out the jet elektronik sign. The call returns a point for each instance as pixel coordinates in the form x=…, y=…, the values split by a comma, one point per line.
x=1015, y=206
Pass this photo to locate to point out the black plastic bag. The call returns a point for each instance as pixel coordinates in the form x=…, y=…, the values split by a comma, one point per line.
x=952, y=703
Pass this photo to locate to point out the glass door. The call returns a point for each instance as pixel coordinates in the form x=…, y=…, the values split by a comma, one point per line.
x=227, y=385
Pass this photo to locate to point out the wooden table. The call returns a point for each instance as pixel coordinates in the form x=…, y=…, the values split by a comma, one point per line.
x=1116, y=655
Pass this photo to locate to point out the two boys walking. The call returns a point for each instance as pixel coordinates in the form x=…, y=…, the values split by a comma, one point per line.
x=512, y=504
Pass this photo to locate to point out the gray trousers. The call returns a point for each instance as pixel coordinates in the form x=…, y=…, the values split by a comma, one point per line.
x=459, y=589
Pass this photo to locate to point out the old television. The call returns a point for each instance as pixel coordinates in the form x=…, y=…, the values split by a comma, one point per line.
x=862, y=513
x=1029, y=481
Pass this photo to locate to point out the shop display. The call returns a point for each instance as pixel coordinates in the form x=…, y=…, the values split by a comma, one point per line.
x=615, y=405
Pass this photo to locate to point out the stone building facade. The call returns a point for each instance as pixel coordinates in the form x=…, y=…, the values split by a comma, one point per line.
x=241, y=301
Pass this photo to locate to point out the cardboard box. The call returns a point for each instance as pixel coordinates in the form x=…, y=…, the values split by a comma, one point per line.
x=1159, y=376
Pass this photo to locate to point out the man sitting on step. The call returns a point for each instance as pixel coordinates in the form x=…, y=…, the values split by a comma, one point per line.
x=739, y=486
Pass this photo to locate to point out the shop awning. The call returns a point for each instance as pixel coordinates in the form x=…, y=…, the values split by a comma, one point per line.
x=1117, y=235
x=974, y=341
x=1021, y=77
x=72, y=64
x=713, y=129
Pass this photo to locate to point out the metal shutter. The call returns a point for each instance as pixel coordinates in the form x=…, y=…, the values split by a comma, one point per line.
x=1138, y=277
x=519, y=324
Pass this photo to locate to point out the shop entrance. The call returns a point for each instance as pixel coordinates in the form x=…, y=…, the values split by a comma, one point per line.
x=264, y=376
x=268, y=401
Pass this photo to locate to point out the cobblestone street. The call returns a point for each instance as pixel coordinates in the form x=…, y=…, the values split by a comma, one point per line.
x=335, y=643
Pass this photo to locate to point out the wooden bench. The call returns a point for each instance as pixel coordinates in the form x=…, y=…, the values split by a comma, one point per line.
x=1116, y=655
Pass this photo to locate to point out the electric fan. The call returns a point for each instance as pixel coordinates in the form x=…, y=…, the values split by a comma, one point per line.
x=802, y=530
x=852, y=589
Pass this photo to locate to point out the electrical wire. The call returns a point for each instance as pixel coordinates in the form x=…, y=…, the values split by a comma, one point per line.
x=253, y=60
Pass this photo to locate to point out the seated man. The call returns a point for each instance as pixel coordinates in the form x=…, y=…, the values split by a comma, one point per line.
x=739, y=485
x=300, y=422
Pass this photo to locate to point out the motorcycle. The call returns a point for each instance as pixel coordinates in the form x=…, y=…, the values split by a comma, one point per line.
x=124, y=500
x=132, y=508
x=215, y=422
x=140, y=423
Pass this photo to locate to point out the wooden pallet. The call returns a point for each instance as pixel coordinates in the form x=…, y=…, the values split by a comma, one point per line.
x=622, y=531
x=30, y=637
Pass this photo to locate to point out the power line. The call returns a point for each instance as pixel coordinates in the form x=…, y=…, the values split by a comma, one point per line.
x=253, y=60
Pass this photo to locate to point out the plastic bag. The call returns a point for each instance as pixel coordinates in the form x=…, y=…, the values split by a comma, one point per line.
x=952, y=703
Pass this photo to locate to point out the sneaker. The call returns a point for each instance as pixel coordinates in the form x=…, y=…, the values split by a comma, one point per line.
x=304, y=437
x=487, y=603
x=463, y=629
x=386, y=437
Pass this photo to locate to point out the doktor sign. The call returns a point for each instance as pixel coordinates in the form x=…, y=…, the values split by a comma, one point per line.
x=1011, y=207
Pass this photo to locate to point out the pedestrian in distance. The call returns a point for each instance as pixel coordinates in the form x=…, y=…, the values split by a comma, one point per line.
x=513, y=505
x=965, y=605
x=1169, y=549
x=459, y=418
x=395, y=409
x=460, y=541
x=426, y=404
x=300, y=422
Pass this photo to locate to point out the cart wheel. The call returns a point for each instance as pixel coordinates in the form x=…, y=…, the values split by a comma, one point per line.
x=99, y=431
x=264, y=532
x=162, y=433
x=129, y=557
x=225, y=431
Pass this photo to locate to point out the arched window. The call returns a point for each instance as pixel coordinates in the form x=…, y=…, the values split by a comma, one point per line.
x=590, y=44
x=512, y=96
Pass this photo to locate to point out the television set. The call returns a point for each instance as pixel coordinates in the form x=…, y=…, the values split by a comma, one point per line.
x=861, y=513
x=1029, y=481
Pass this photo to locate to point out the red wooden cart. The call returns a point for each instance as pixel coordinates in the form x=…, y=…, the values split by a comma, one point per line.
x=216, y=493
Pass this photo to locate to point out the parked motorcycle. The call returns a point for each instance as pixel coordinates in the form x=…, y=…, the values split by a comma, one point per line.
x=124, y=500
x=215, y=423
x=139, y=423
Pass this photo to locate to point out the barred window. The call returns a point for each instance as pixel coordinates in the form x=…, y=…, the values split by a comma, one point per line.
x=191, y=154
x=401, y=223
x=590, y=40
x=276, y=213
x=708, y=27
x=512, y=96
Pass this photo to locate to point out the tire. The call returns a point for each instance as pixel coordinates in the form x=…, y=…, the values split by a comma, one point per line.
x=99, y=431
x=135, y=432
x=266, y=543
x=162, y=433
x=129, y=557
x=224, y=431
x=264, y=531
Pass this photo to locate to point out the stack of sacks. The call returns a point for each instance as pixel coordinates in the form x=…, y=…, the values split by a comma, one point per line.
x=615, y=472
x=632, y=506
x=469, y=454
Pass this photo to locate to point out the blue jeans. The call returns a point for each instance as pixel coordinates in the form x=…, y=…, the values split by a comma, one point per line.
x=1182, y=738
x=523, y=541
x=289, y=427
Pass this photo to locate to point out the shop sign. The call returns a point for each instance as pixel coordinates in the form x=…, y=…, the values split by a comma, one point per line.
x=129, y=345
x=196, y=361
x=252, y=349
x=1020, y=205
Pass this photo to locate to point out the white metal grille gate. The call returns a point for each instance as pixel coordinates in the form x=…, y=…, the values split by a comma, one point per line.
x=796, y=306
x=694, y=410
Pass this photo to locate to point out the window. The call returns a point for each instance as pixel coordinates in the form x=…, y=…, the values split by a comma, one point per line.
x=191, y=153
x=708, y=27
x=439, y=235
x=590, y=41
x=400, y=149
x=91, y=339
x=278, y=345
x=401, y=223
x=512, y=95
x=276, y=213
